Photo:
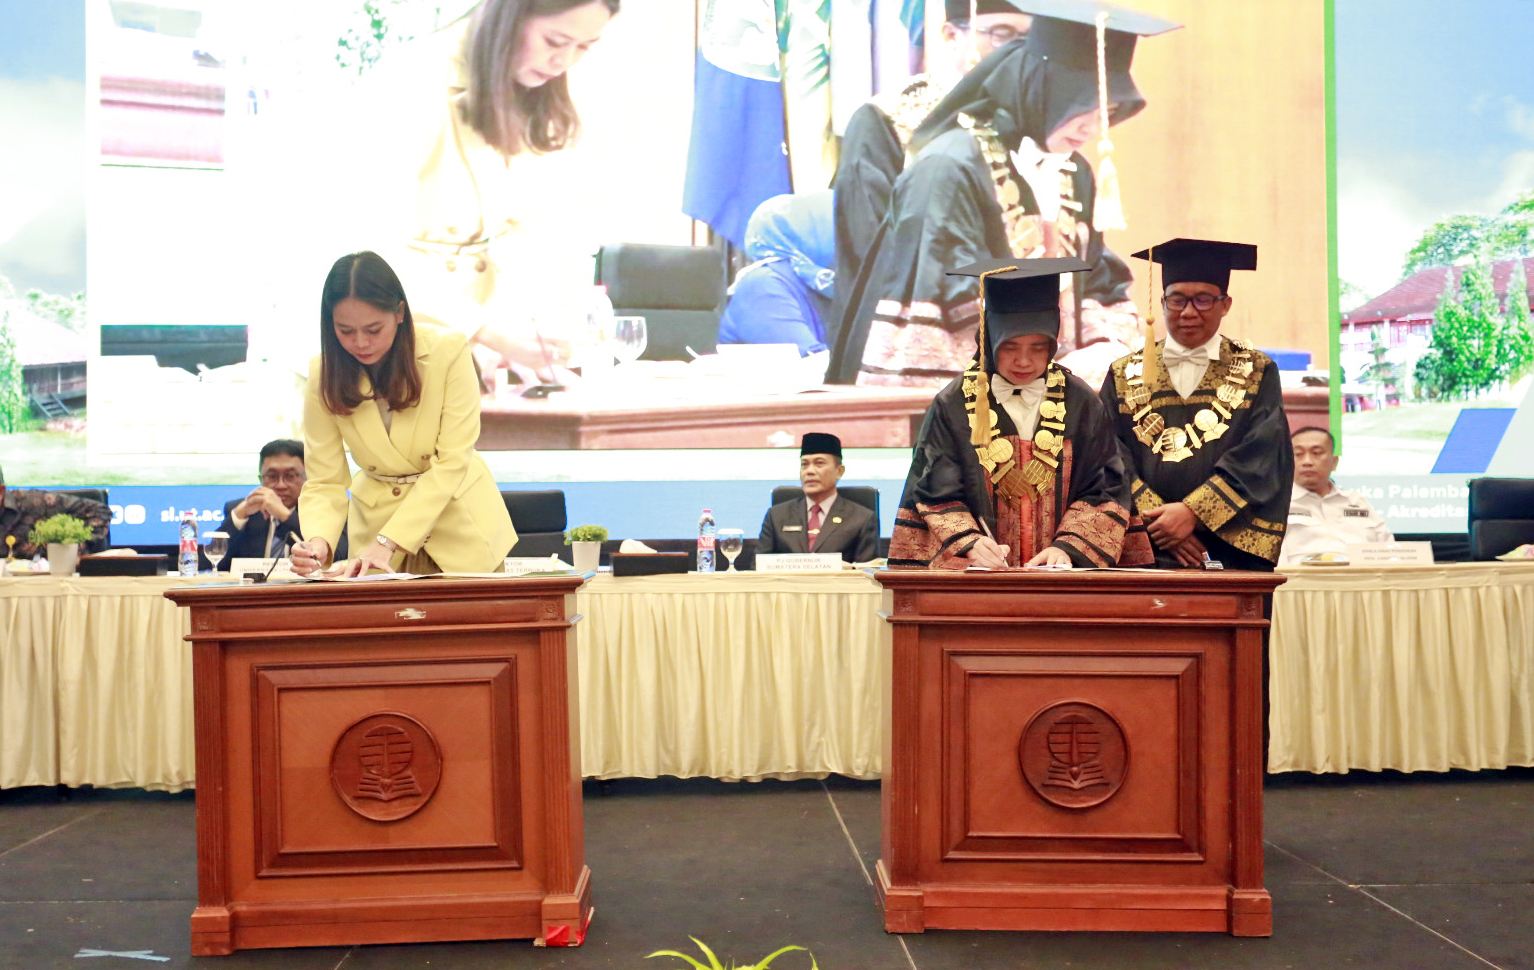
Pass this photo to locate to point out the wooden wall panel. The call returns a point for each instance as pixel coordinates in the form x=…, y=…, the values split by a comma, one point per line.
x=1232, y=145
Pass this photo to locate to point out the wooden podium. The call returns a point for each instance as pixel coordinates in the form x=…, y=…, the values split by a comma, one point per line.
x=386, y=762
x=1074, y=751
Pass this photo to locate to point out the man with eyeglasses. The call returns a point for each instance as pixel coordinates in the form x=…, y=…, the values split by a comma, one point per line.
x=874, y=143
x=1200, y=421
x=271, y=509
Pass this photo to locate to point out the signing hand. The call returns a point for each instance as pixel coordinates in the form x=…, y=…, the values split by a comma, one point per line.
x=1052, y=556
x=1170, y=524
x=1190, y=552
x=986, y=552
x=265, y=500
x=309, y=556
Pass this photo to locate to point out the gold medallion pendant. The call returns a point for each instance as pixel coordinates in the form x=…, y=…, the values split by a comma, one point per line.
x=1173, y=445
x=1210, y=424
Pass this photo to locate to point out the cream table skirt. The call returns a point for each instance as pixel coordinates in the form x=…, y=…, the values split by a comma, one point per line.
x=95, y=684
x=730, y=676
x=755, y=675
x=733, y=675
x=1416, y=668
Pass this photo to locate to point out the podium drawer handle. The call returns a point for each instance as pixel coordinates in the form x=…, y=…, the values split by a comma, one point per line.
x=410, y=613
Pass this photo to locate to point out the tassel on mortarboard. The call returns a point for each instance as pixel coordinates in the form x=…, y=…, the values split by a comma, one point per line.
x=1148, y=360
x=1107, y=205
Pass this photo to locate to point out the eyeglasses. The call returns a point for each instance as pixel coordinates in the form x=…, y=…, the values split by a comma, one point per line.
x=1200, y=301
x=289, y=477
x=1000, y=34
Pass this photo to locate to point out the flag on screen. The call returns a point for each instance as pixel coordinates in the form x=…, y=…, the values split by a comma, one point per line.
x=737, y=157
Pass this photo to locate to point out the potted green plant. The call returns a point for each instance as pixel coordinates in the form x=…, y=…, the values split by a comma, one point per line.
x=586, y=541
x=62, y=534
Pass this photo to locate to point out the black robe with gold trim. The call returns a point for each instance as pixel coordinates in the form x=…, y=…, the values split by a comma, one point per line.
x=1238, y=484
x=873, y=154
x=948, y=493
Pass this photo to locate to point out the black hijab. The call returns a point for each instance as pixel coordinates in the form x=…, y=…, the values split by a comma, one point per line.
x=1022, y=94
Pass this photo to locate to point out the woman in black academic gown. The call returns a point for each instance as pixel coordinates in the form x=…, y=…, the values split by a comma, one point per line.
x=1016, y=462
x=998, y=173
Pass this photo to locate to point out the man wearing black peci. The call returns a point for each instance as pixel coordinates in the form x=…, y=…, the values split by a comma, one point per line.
x=821, y=521
x=1200, y=420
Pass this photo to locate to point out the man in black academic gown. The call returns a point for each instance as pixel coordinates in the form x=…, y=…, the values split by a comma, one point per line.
x=823, y=520
x=1200, y=420
x=1016, y=463
x=873, y=149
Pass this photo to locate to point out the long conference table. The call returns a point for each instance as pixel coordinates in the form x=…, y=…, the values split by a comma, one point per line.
x=750, y=675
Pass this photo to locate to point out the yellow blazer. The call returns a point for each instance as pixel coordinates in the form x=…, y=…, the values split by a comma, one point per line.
x=454, y=509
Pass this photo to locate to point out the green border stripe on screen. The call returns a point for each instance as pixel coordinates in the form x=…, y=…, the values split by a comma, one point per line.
x=1334, y=318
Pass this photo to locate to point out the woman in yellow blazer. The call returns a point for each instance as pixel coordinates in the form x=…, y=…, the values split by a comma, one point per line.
x=405, y=400
x=479, y=134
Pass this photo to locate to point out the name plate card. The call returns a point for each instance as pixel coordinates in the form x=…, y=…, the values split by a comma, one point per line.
x=522, y=565
x=1390, y=554
x=798, y=562
x=284, y=570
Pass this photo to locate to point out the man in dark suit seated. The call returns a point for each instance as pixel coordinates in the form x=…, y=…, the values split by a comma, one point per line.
x=822, y=521
x=259, y=523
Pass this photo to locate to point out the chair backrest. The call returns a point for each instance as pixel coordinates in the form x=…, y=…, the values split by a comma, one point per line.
x=1501, y=515
x=679, y=290
x=539, y=518
x=865, y=495
x=94, y=494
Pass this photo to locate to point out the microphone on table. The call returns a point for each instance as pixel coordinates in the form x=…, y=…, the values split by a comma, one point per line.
x=287, y=545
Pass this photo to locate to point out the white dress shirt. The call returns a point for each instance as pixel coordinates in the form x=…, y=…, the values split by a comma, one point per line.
x=1326, y=523
x=1020, y=403
x=1186, y=366
x=825, y=507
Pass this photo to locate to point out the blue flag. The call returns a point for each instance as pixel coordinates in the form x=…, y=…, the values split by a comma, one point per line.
x=737, y=157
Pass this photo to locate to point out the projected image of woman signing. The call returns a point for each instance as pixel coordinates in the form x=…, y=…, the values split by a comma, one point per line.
x=483, y=143
x=404, y=398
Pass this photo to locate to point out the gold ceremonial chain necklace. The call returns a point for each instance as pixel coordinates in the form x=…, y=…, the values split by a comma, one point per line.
x=1025, y=232
x=1172, y=443
x=997, y=456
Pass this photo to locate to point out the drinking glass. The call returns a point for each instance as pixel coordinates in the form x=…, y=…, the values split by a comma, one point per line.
x=730, y=543
x=218, y=546
x=629, y=338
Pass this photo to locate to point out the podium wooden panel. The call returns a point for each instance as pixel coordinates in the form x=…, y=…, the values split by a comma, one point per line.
x=1074, y=751
x=386, y=762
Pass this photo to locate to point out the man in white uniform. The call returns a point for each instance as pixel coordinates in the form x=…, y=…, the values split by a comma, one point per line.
x=1323, y=517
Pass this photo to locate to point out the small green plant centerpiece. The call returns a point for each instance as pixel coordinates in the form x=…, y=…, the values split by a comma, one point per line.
x=61, y=529
x=586, y=541
x=62, y=534
x=713, y=961
x=586, y=533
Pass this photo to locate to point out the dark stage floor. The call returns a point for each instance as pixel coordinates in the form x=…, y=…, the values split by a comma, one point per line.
x=1366, y=871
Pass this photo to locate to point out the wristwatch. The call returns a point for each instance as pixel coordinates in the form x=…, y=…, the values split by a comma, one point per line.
x=384, y=542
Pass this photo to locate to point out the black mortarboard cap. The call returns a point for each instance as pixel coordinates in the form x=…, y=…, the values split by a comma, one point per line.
x=1065, y=31
x=1200, y=261
x=820, y=443
x=959, y=9
x=1021, y=301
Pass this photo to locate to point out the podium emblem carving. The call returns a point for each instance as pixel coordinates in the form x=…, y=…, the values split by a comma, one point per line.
x=1074, y=755
x=386, y=766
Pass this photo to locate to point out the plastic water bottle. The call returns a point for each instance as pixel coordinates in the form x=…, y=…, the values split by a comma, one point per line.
x=706, y=542
x=599, y=333
x=187, y=561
